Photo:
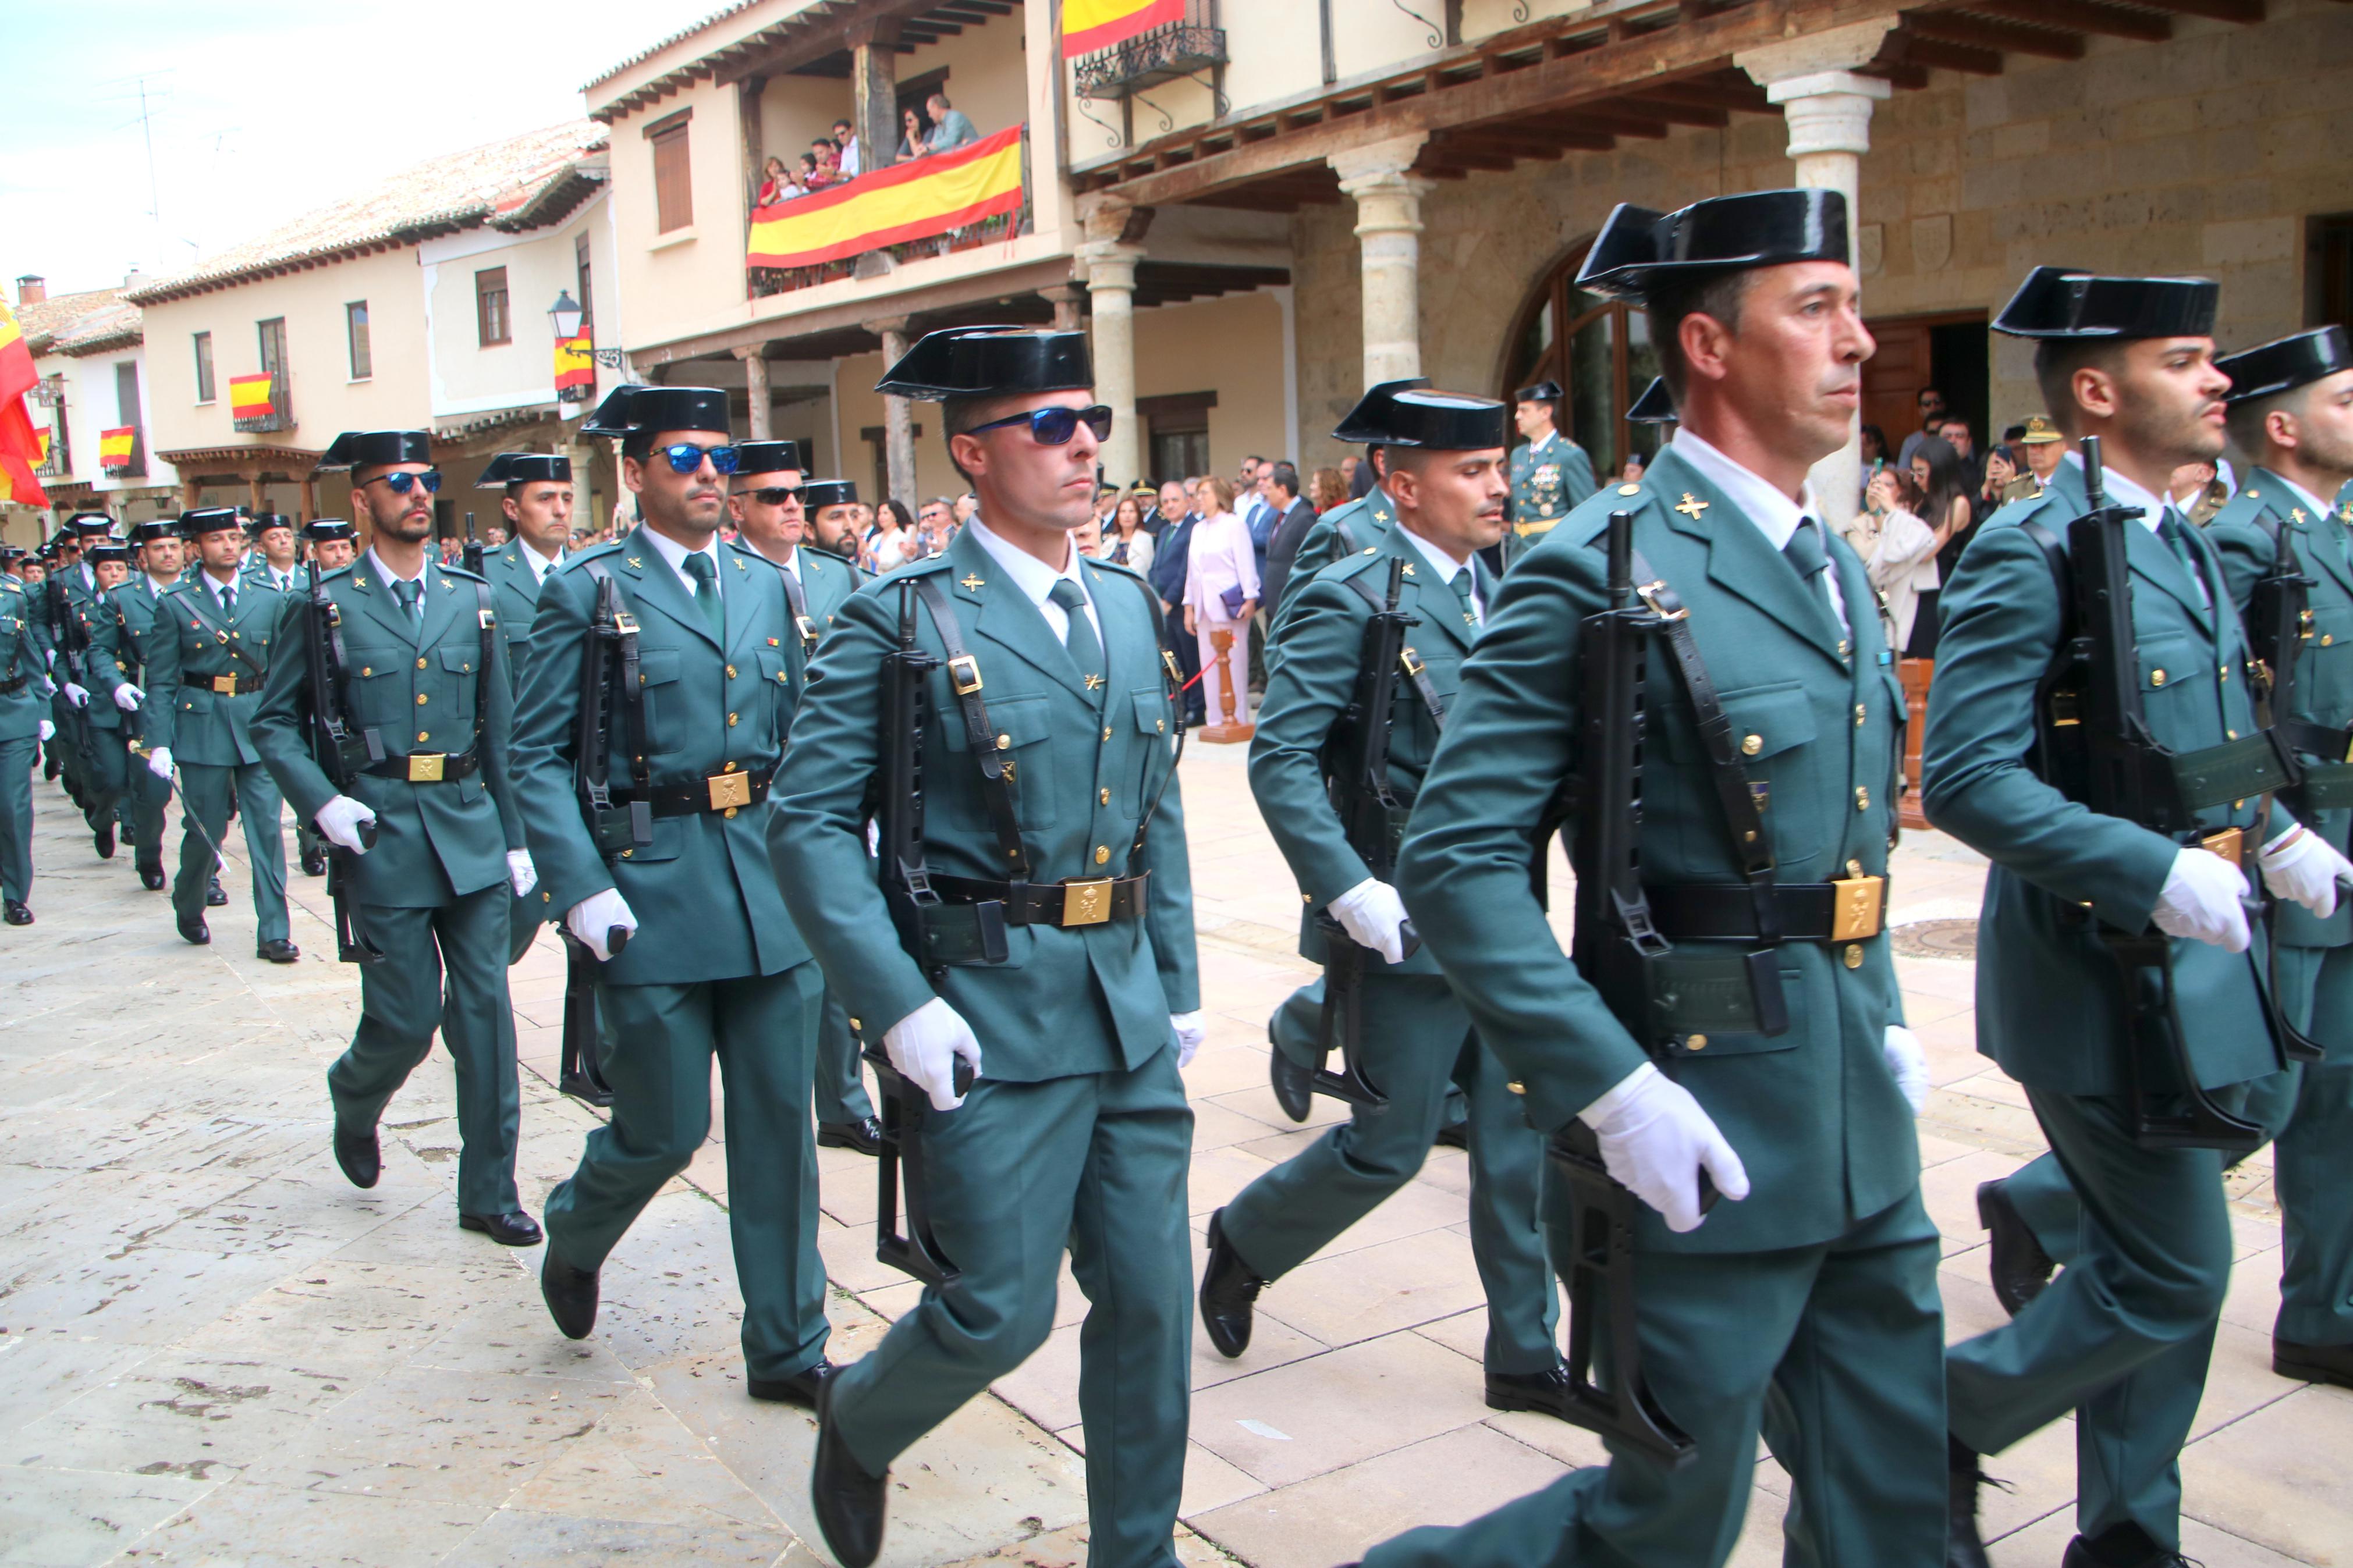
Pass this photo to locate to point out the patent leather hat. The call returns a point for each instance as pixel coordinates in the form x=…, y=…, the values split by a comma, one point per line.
x=1640, y=248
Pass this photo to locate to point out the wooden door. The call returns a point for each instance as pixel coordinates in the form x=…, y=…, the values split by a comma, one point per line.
x=1894, y=377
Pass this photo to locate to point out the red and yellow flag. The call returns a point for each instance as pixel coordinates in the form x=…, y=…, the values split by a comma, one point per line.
x=906, y=201
x=23, y=448
x=115, y=446
x=1092, y=25
x=576, y=364
x=249, y=396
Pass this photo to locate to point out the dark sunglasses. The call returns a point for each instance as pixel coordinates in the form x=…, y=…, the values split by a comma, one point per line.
x=401, y=484
x=1054, y=426
x=772, y=495
x=686, y=457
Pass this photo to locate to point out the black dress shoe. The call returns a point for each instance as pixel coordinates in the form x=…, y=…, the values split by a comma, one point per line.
x=2019, y=1267
x=1545, y=1393
x=849, y=1504
x=215, y=895
x=2125, y=1546
x=1294, y=1086
x=314, y=863
x=193, y=929
x=513, y=1229
x=2312, y=1364
x=864, y=1137
x=1454, y=1135
x=152, y=877
x=570, y=1294
x=49, y=769
x=360, y=1157
x=277, y=950
x=1963, y=1548
x=1229, y=1294
x=16, y=914
x=802, y=1388
x=103, y=841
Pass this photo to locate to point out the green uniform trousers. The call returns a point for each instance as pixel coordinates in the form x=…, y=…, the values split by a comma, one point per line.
x=108, y=779
x=2122, y=1337
x=840, y=1081
x=206, y=794
x=658, y=1042
x=1096, y=1163
x=143, y=809
x=17, y=759
x=1834, y=1353
x=403, y=1001
x=1418, y=1044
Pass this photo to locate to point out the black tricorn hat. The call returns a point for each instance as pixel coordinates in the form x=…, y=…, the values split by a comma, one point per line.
x=767, y=457
x=636, y=415
x=64, y=536
x=2286, y=363
x=1640, y=248
x=522, y=468
x=1655, y=407
x=1542, y=392
x=211, y=520
x=375, y=449
x=89, y=522
x=149, y=532
x=2069, y=302
x=990, y=361
x=108, y=550
x=1410, y=413
x=324, y=528
x=262, y=522
x=829, y=493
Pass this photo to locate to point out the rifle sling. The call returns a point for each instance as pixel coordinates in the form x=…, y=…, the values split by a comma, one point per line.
x=632, y=688
x=1415, y=670
x=796, y=598
x=995, y=787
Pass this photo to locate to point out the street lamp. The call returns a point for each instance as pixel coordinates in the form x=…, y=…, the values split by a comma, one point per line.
x=565, y=315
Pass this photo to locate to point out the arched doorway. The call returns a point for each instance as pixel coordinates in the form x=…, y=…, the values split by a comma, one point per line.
x=1600, y=352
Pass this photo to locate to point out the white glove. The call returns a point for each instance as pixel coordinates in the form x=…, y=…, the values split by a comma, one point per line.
x=77, y=696
x=1190, y=1033
x=1655, y=1139
x=128, y=698
x=339, y=823
x=1909, y=1062
x=592, y=920
x=2201, y=900
x=521, y=873
x=923, y=1045
x=49, y=730
x=1374, y=916
x=2301, y=865
x=159, y=762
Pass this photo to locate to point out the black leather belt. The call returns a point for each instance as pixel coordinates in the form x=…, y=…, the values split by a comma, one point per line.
x=232, y=685
x=1077, y=902
x=427, y=767
x=1852, y=910
x=726, y=793
x=10, y=688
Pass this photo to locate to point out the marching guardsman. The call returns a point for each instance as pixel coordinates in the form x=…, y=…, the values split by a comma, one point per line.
x=831, y=508
x=330, y=540
x=537, y=506
x=272, y=562
x=109, y=704
x=1348, y=528
x=714, y=966
x=1447, y=483
x=1805, y=1306
x=1550, y=474
x=67, y=595
x=1056, y=964
x=203, y=686
x=25, y=723
x=137, y=606
x=2080, y=877
x=2045, y=448
x=428, y=818
x=765, y=501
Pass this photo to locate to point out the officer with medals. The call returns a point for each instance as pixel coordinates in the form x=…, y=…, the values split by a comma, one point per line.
x=25, y=723
x=1550, y=474
x=764, y=499
x=536, y=503
x=1806, y=1305
x=424, y=687
x=126, y=634
x=1446, y=482
x=2044, y=448
x=2123, y=1338
x=206, y=665
x=713, y=966
x=1057, y=963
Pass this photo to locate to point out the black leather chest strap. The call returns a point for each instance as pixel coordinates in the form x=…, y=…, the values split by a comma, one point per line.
x=980, y=735
x=1411, y=663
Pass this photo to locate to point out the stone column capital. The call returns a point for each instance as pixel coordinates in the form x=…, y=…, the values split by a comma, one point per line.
x=1110, y=265
x=751, y=353
x=1841, y=49
x=879, y=325
x=1376, y=163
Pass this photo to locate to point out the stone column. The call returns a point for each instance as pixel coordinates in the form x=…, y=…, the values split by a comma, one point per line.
x=1066, y=298
x=874, y=92
x=898, y=415
x=1111, y=291
x=1828, y=108
x=1388, y=235
x=755, y=393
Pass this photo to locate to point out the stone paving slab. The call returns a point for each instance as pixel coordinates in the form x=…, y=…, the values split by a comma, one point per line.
x=214, y=1351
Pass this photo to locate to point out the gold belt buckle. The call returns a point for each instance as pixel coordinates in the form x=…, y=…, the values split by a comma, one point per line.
x=729, y=791
x=1861, y=902
x=225, y=685
x=1086, y=903
x=2231, y=844
x=427, y=767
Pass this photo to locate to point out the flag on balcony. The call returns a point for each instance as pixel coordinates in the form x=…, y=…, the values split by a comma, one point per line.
x=22, y=448
x=115, y=446
x=905, y=200
x=1092, y=25
x=248, y=396
x=576, y=364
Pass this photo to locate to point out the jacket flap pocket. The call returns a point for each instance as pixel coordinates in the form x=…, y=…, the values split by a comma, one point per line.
x=1769, y=720
x=1151, y=711
x=657, y=666
x=1021, y=722
x=461, y=661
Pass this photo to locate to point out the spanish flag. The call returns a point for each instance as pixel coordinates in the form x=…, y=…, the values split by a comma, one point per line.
x=22, y=448
x=905, y=200
x=115, y=446
x=1092, y=25
x=575, y=366
x=248, y=396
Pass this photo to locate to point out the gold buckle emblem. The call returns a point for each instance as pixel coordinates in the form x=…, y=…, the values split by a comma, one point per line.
x=1410, y=662
x=225, y=685
x=729, y=790
x=1860, y=904
x=807, y=630
x=1649, y=593
x=2231, y=844
x=1086, y=903
x=964, y=673
x=428, y=767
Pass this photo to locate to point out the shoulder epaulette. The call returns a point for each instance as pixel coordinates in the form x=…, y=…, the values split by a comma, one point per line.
x=1099, y=562
x=461, y=571
x=606, y=550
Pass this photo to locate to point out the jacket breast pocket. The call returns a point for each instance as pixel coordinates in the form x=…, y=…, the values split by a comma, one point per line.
x=2179, y=684
x=460, y=668
x=1773, y=731
x=196, y=698
x=1020, y=734
x=2324, y=668
x=664, y=700
x=1154, y=723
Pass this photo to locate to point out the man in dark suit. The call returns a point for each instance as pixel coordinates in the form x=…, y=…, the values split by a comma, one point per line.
x=1293, y=518
x=1170, y=562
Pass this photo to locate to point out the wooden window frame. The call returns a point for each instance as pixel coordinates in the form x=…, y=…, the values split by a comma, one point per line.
x=359, y=345
x=493, y=309
x=673, y=171
x=208, y=382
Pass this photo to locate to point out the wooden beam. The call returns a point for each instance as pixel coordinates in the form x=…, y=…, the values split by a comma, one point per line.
x=1671, y=112
x=2082, y=16
x=1938, y=55
x=2242, y=11
x=1985, y=32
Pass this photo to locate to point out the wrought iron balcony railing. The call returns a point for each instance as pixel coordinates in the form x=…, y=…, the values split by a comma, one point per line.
x=1166, y=52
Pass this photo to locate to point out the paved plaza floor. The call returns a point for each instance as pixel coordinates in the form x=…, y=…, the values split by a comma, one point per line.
x=214, y=1351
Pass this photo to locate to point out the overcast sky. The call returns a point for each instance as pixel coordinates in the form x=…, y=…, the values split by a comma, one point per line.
x=264, y=109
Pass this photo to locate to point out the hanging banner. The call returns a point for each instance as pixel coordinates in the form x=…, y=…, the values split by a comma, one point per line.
x=1092, y=25
x=23, y=448
x=914, y=200
x=248, y=396
x=575, y=364
x=116, y=448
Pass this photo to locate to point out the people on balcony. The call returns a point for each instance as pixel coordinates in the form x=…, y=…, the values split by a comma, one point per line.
x=845, y=140
x=826, y=155
x=776, y=184
x=951, y=127
x=915, y=135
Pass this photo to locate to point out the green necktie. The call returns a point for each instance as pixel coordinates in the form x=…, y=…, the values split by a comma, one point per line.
x=1460, y=583
x=1085, y=651
x=706, y=592
x=411, y=596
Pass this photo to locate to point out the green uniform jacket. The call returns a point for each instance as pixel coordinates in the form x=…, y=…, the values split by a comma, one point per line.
x=2245, y=533
x=1814, y=1112
x=192, y=650
x=418, y=691
x=128, y=640
x=1548, y=480
x=703, y=891
x=2046, y=989
x=1077, y=1000
x=1344, y=531
x=24, y=655
x=95, y=609
x=514, y=591
x=827, y=581
x=1323, y=649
